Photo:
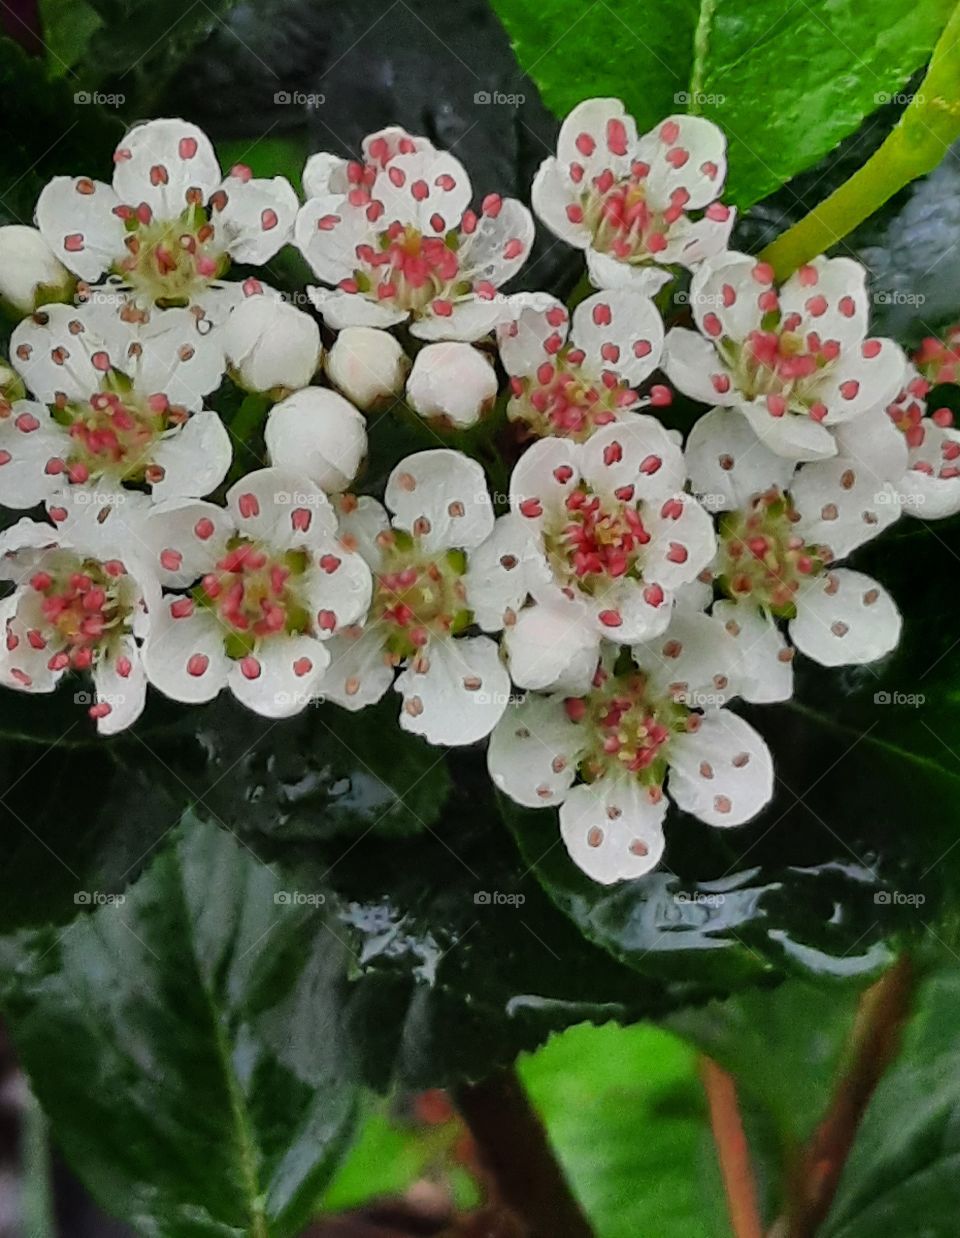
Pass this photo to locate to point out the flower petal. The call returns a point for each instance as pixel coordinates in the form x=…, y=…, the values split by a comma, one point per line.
x=53, y=351
x=605, y=271
x=500, y=244
x=842, y=504
x=829, y=297
x=327, y=232
x=455, y=692
x=861, y=380
x=281, y=508
x=184, y=657
x=728, y=464
x=281, y=677
x=183, y=539
x=682, y=541
x=598, y=134
x=722, y=772
x=793, y=436
x=534, y=750
x=621, y=331
x=160, y=162
x=195, y=458
x=171, y=354
x=338, y=585
x=613, y=829
x=362, y=520
x=120, y=682
x=77, y=219
x=325, y=174
x=725, y=293
x=693, y=365
x=441, y=497
x=349, y=309
x=469, y=320
x=501, y=570
x=845, y=618
x=763, y=669
x=257, y=218
x=693, y=661
x=687, y=153
x=550, y=195
x=29, y=440
x=535, y=318
x=427, y=188
x=634, y=453
x=359, y=672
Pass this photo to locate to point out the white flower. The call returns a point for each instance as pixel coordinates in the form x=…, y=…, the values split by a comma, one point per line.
x=600, y=535
x=395, y=236
x=796, y=362
x=271, y=345
x=75, y=611
x=604, y=755
x=570, y=387
x=275, y=583
x=319, y=433
x=452, y=382
x=625, y=200
x=368, y=366
x=929, y=481
x=30, y=273
x=454, y=686
x=170, y=224
x=780, y=535
x=118, y=400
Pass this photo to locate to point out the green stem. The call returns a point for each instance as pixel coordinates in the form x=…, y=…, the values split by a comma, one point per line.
x=924, y=133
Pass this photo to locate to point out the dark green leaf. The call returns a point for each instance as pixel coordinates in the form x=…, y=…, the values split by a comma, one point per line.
x=786, y=84
x=187, y=1044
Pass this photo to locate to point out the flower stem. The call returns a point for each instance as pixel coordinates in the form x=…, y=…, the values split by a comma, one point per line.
x=732, y=1150
x=246, y=422
x=515, y=1149
x=875, y=1041
x=921, y=138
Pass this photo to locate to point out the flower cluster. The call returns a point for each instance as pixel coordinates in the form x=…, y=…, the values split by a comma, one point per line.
x=633, y=584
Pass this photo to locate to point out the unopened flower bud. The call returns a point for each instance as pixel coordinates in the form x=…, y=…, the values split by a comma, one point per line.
x=367, y=365
x=318, y=433
x=30, y=273
x=271, y=344
x=454, y=381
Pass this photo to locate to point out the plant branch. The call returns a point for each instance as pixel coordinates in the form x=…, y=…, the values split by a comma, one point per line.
x=732, y=1150
x=921, y=138
x=874, y=1044
x=514, y=1147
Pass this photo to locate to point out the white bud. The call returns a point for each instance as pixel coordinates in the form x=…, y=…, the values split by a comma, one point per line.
x=452, y=380
x=367, y=365
x=30, y=273
x=272, y=344
x=317, y=432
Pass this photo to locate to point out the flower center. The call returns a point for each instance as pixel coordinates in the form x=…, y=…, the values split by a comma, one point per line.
x=762, y=558
x=409, y=270
x=113, y=433
x=256, y=596
x=782, y=366
x=417, y=595
x=561, y=400
x=629, y=727
x=595, y=540
x=170, y=260
x=83, y=610
x=620, y=218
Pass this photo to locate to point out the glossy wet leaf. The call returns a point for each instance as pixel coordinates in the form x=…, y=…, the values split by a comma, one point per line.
x=901, y=1177
x=625, y=1112
x=785, y=83
x=188, y=1045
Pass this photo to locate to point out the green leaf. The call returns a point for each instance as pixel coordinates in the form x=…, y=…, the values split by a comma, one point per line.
x=625, y=1112
x=187, y=1044
x=785, y=84
x=901, y=1177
